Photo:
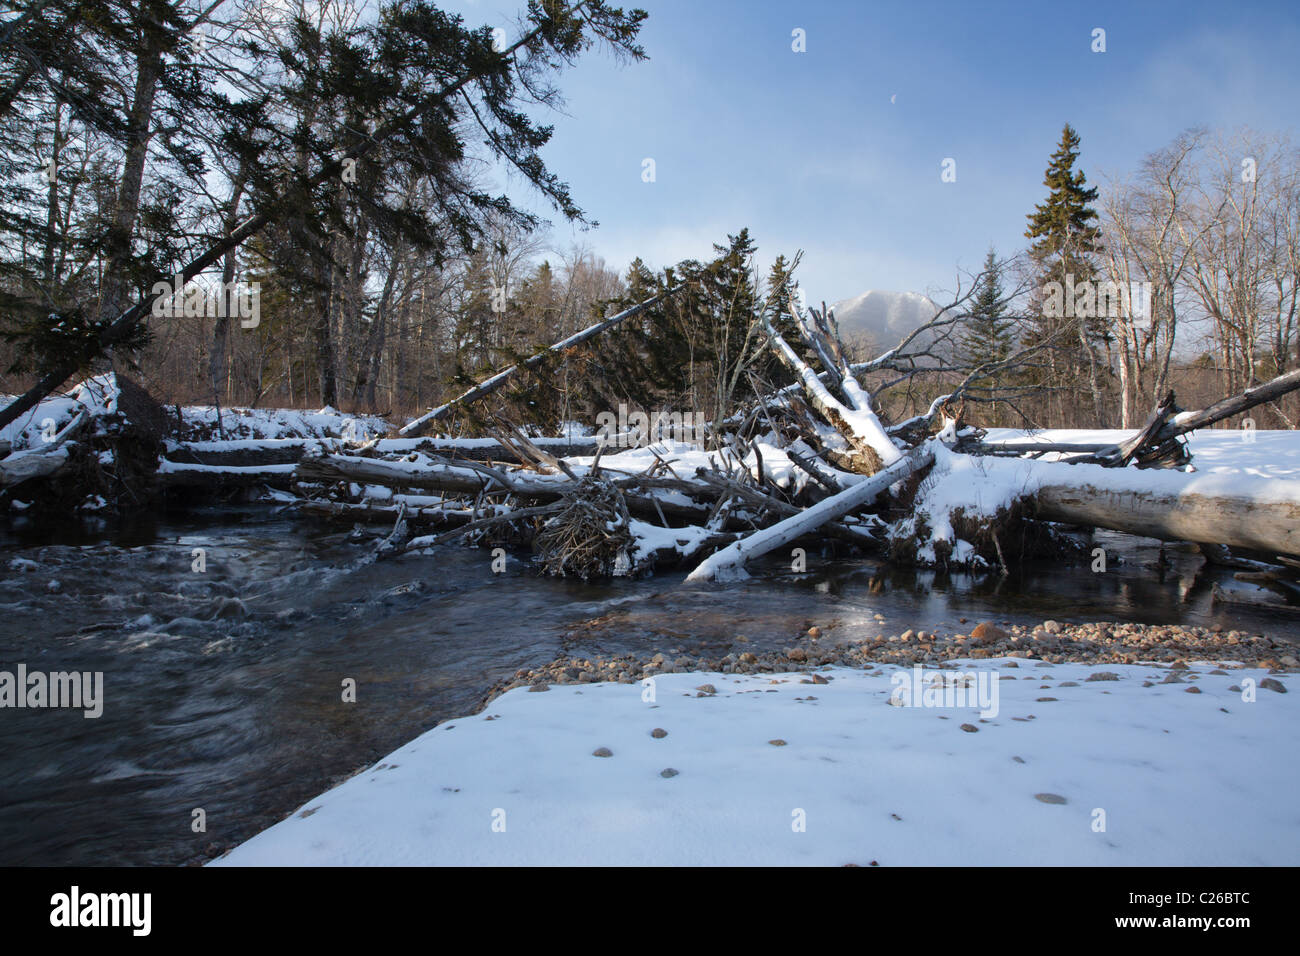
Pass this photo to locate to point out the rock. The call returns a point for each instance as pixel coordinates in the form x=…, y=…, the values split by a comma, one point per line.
x=1192, y=690
x=986, y=632
x=818, y=679
x=707, y=689
x=1289, y=660
x=796, y=654
x=970, y=728
x=1053, y=627
x=668, y=772
x=814, y=632
x=539, y=688
x=602, y=752
x=748, y=658
x=777, y=743
x=1049, y=797
x=1273, y=684
x=1103, y=675
x=658, y=733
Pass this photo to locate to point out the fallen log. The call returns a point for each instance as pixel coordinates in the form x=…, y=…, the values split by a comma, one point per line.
x=730, y=561
x=46, y=460
x=1156, y=443
x=857, y=421
x=1252, y=513
x=491, y=384
x=465, y=478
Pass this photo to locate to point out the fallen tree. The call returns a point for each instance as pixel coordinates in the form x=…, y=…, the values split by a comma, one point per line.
x=811, y=462
x=1255, y=514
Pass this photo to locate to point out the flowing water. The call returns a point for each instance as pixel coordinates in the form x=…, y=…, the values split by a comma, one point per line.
x=223, y=688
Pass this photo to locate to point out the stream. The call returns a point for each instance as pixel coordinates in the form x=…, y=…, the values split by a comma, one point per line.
x=222, y=688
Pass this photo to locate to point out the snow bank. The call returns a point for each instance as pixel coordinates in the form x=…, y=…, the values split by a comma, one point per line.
x=782, y=771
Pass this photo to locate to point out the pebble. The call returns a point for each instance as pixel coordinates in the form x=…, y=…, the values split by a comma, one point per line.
x=777, y=743
x=970, y=728
x=1170, y=646
x=1271, y=683
x=1049, y=797
x=602, y=752
x=668, y=772
x=658, y=733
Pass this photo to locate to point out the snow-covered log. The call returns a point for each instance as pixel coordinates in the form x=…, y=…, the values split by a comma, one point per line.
x=1257, y=514
x=644, y=494
x=730, y=561
x=856, y=422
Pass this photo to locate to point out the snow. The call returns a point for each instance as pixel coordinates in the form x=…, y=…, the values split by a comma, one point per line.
x=1222, y=451
x=257, y=425
x=651, y=537
x=1266, y=470
x=883, y=317
x=96, y=396
x=1182, y=778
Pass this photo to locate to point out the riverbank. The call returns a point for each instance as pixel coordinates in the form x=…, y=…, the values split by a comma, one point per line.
x=1052, y=642
x=1043, y=758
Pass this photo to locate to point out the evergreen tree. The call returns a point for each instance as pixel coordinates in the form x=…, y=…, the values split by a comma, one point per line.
x=1065, y=239
x=337, y=130
x=988, y=336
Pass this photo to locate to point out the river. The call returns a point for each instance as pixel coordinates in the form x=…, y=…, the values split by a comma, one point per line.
x=223, y=688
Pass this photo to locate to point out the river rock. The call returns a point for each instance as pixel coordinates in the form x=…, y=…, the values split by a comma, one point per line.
x=986, y=632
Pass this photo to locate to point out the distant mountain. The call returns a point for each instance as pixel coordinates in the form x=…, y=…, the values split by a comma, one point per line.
x=882, y=317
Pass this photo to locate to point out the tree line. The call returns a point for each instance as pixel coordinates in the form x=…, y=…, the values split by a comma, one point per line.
x=337, y=157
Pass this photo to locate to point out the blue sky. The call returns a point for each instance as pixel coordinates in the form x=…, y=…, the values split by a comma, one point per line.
x=809, y=152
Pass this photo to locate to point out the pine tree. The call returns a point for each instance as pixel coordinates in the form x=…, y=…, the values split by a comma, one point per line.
x=988, y=337
x=1065, y=238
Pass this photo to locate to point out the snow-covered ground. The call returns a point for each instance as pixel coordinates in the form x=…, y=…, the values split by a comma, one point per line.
x=1229, y=451
x=776, y=770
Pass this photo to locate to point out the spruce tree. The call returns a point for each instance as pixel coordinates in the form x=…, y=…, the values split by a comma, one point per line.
x=988, y=337
x=1065, y=239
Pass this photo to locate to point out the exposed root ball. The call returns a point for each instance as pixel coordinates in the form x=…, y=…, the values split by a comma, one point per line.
x=591, y=537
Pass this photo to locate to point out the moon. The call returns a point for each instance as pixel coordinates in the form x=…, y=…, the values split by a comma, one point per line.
x=894, y=97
